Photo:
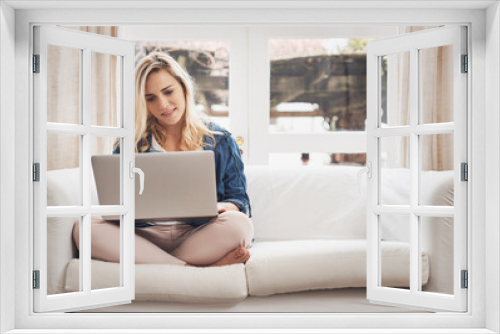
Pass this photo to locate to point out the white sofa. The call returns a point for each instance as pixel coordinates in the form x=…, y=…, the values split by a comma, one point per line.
x=310, y=234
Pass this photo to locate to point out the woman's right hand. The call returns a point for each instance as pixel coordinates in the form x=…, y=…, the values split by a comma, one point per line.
x=226, y=206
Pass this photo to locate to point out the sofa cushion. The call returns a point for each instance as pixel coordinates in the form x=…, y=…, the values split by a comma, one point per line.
x=306, y=203
x=301, y=265
x=169, y=283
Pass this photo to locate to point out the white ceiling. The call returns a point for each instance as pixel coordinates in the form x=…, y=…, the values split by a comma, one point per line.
x=246, y=4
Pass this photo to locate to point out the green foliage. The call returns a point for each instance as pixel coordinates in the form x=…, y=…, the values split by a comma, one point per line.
x=355, y=45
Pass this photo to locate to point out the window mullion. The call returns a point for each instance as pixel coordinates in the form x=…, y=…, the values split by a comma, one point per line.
x=85, y=149
x=414, y=168
x=72, y=211
x=259, y=88
x=77, y=129
x=67, y=129
x=67, y=211
x=433, y=128
x=345, y=142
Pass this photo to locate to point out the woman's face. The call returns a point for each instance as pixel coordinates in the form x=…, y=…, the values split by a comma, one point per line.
x=165, y=98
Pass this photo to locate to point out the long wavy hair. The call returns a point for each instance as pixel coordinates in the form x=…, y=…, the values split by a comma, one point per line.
x=195, y=126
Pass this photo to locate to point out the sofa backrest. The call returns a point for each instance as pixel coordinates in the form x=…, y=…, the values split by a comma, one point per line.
x=324, y=202
x=63, y=187
x=306, y=202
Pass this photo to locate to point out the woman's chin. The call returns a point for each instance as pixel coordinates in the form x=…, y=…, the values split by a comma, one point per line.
x=169, y=122
x=172, y=120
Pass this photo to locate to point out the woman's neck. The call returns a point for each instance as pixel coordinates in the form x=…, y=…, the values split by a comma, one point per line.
x=173, y=138
x=172, y=143
x=171, y=147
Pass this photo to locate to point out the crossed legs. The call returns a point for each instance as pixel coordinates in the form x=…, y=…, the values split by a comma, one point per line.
x=224, y=240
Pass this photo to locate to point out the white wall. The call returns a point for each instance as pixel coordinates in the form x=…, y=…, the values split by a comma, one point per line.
x=7, y=188
x=492, y=166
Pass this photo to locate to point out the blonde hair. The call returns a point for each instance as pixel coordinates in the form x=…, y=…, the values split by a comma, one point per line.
x=194, y=128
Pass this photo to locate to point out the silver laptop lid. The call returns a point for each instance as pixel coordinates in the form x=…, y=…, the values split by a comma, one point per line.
x=177, y=185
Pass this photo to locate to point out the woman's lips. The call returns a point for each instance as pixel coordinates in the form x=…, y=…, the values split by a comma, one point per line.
x=168, y=113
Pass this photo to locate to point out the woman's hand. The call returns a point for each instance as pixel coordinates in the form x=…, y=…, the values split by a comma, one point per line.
x=226, y=206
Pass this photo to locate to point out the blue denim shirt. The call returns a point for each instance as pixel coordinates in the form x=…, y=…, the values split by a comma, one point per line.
x=229, y=169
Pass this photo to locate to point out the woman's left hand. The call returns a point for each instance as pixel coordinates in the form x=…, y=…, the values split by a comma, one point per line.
x=226, y=206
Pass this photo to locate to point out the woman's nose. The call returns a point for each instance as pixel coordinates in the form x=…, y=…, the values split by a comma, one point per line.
x=165, y=102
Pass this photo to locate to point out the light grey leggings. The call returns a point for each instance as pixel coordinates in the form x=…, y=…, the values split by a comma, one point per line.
x=173, y=244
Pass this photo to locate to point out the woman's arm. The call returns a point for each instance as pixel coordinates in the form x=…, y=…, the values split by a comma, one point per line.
x=234, y=180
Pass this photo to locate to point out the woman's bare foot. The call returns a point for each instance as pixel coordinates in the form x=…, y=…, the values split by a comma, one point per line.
x=237, y=255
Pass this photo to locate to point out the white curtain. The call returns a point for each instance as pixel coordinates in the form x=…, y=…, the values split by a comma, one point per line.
x=63, y=100
x=436, y=103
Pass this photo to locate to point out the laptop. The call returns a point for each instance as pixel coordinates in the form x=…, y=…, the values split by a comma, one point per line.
x=177, y=185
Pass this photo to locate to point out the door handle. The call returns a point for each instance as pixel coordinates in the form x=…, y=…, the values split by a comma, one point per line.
x=139, y=171
x=367, y=170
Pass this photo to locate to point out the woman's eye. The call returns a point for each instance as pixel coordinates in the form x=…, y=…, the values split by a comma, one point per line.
x=168, y=92
x=151, y=99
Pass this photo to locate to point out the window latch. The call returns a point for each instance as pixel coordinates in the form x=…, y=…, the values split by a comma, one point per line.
x=367, y=170
x=136, y=170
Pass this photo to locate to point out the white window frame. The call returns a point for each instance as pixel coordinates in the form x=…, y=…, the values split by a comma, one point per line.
x=484, y=218
x=86, y=44
x=415, y=43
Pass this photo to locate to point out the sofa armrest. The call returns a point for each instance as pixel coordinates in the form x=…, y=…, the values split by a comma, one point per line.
x=437, y=232
x=63, y=187
x=60, y=250
x=438, y=238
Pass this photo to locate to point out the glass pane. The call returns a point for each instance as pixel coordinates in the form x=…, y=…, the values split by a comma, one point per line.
x=63, y=274
x=316, y=159
x=106, y=252
x=395, y=89
x=318, y=85
x=437, y=248
x=106, y=169
x=63, y=84
x=394, y=170
x=436, y=176
x=207, y=62
x=394, y=250
x=106, y=90
x=436, y=84
x=63, y=167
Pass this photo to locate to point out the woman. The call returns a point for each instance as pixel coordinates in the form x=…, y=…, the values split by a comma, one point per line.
x=166, y=120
